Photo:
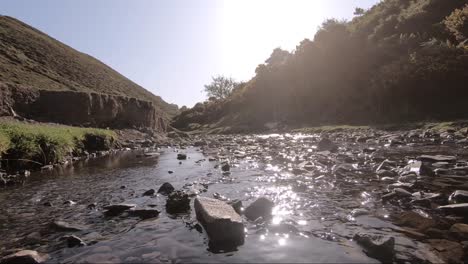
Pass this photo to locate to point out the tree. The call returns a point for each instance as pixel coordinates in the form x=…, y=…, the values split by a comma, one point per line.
x=359, y=11
x=221, y=87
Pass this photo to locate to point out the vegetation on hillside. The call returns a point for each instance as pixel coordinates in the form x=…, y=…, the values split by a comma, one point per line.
x=31, y=58
x=221, y=87
x=401, y=60
x=48, y=144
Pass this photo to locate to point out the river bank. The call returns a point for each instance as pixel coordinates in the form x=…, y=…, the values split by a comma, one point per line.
x=337, y=196
x=27, y=146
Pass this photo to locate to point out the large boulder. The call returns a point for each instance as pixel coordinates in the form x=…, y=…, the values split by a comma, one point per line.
x=24, y=257
x=262, y=207
x=222, y=224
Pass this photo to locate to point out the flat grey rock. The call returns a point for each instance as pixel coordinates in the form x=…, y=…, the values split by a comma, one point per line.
x=221, y=222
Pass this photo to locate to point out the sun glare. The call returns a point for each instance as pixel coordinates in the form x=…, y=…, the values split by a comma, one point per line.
x=251, y=29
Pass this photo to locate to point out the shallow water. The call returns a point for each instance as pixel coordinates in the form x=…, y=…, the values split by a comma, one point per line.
x=312, y=220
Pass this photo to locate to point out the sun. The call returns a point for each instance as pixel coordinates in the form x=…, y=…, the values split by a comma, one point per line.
x=250, y=29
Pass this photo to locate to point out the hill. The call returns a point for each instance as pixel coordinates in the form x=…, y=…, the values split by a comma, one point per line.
x=401, y=60
x=33, y=59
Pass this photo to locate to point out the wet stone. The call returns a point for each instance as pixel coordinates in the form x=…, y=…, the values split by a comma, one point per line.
x=74, y=241
x=437, y=158
x=381, y=248
x=262, y=207
x=64, y=226
x=459, y=196
x=449, y=251
x=149, y=192
x=166, y=189
x=414, y=220
x=225, y=167
x=116, y=209
x=178, y=202
x=144, y=213
x=222, y=224
x=460, y=209
x=24, y=257
x=460, y=231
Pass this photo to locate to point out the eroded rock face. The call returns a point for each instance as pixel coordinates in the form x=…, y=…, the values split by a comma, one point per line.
x=80, y=108
x=223, y=225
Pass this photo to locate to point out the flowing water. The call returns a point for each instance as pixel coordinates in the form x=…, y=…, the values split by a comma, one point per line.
x=315, y=193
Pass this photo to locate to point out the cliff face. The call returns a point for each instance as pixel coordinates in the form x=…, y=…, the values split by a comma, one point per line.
x=67, y=86
x=80, y=108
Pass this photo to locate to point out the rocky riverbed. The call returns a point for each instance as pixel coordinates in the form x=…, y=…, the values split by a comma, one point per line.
x=351, y=196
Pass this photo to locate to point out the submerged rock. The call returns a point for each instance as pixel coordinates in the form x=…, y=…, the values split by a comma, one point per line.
x=144, y=213
x=181, y=156
x=262, y=207
x=225, y=167
x=222, y=224
x=166, y=189
x=177, y=202
x=63, y=226
x=326, y=144
x=24, y=257
x=380, y=249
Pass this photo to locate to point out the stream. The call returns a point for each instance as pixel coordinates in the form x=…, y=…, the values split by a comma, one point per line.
x=322, y=198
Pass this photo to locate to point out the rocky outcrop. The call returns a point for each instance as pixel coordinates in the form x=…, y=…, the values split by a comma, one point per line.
x=80, y=108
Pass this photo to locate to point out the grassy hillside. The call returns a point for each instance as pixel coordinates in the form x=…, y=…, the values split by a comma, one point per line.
x=32, y=58
x=401, y=60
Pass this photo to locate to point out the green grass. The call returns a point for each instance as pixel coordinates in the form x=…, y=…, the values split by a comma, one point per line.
x=44, y=143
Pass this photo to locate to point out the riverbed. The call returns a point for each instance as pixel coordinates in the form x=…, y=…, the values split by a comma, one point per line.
x=322, y=198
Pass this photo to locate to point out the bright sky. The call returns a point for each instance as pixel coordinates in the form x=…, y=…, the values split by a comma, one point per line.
x=173, y=47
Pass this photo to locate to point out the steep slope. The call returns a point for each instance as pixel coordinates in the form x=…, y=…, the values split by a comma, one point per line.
x=402, y=60
x=31, y=58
